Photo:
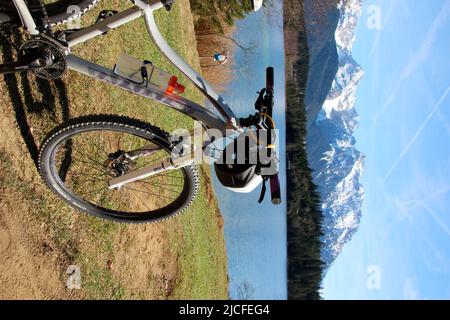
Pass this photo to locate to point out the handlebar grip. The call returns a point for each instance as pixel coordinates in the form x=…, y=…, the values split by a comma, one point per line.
x=269, y=78
x=275, y=191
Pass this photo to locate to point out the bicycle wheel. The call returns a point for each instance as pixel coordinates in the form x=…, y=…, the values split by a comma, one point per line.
x=79, y=158
x=58, y=11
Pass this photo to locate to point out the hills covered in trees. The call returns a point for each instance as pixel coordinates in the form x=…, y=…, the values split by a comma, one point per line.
x=305, y=266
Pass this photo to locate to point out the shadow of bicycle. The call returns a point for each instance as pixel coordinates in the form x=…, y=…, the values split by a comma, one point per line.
x=34, y=100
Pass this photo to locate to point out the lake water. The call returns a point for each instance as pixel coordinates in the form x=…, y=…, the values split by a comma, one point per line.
x=255, y=233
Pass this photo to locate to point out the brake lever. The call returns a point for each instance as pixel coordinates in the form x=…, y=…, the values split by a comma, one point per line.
x=263, y=191
x=260, y=101
x=275, y=191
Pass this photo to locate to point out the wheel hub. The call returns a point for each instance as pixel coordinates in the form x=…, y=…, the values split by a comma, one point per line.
x=119, y=164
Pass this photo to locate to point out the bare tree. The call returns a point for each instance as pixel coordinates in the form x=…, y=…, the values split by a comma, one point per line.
x=247, y=49
x=272, y=11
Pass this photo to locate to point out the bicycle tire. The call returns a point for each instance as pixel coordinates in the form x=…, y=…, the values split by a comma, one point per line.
x=151, y=133
x=57, y=11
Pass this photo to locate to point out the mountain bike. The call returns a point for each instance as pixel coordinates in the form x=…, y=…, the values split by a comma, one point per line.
x=124, y=169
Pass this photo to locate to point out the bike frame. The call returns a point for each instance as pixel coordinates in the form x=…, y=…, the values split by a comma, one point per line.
x=146, y=10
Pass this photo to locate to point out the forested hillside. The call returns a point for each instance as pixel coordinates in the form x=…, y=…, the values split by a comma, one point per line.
x=304, y=214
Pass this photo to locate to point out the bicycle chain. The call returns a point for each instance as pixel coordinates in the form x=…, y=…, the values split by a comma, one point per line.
x=46, y=42
x=5, y=26
x=45, y=14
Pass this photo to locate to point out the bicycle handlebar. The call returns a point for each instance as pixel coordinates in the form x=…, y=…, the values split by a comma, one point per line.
x=269, y=89
x=275, y=192
x=269, y=78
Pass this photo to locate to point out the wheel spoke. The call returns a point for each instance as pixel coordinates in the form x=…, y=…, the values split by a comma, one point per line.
x=157, y=186
x=95, y=159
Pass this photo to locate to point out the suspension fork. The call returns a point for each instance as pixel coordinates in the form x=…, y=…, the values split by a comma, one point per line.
x=176, y=160
x=165, y=165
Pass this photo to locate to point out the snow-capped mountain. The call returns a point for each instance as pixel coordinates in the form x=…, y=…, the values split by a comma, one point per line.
x=336, y=162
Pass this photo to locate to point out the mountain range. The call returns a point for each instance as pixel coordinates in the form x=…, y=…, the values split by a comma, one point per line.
x=332, y=118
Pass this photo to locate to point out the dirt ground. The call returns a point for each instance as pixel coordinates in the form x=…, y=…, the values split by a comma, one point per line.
x=32, y=265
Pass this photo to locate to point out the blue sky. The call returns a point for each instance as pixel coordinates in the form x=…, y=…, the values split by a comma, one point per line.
x=404, y=106
x=255, y=233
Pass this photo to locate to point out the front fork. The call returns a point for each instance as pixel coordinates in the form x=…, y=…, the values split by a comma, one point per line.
x=148, y=171
x=172, y=162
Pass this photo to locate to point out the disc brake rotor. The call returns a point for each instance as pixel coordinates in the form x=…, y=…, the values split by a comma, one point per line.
x=118, y=164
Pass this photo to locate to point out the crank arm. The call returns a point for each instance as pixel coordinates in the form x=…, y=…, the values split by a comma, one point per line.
x=148, y=171
x=25, y=64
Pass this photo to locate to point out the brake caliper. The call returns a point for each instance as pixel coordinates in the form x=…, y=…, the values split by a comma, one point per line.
x=118, y=163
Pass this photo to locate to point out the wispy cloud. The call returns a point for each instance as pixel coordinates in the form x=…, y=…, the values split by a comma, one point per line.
x=419, y=57
x=405, y=214
x=441, y=116
x=432, y=213
x=374, y=51
x=385, y=19
x=437, y=193
x=443, y=265
x=418, y=133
